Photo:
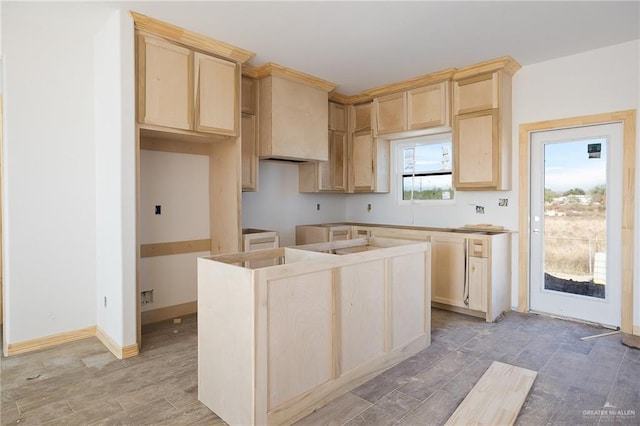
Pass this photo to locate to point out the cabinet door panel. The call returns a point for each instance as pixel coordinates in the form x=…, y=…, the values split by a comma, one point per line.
x=391, y=113
x=215, y=95
x=362, y=162
x=337, y=117
x=339, y=159
x=476, y=93
x=428, y=106
x=324, y=175
x=476, y=150
x=249, y=95
x=299, y=318
x=448, y=270
x=362, y=117
x=407, y=298
x=165, y=74
x=477, y=284
x=249, y=153
x=362, y=309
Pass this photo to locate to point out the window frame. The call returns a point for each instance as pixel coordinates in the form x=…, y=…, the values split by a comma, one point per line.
x=399, y=148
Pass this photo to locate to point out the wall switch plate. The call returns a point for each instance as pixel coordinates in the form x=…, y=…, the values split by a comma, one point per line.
x=480, y=209
x=503, y=202
x=318, y=206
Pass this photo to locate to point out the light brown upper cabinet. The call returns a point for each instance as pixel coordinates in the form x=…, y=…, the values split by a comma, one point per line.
x=165, y=79
x=249, y=95
x=216, y=95
x=186, y=90
x=360, y=117
x=391, y=113
x=329, y=176
x=293, y=120
x=337, y=117
x=249, y=134
x=478, y=93
x=326, y=176
x=368, y=156
x=477, y=150
x=482, y=125
x=428, y=106
x=249, y=153
x=369, y=165
x=412, y=110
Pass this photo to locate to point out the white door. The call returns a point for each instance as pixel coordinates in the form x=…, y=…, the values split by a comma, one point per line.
x=576, y=222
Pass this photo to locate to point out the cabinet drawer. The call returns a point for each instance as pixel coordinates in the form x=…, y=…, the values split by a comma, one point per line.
x=478, y=248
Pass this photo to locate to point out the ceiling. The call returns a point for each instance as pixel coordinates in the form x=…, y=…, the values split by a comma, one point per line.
x=361, y=45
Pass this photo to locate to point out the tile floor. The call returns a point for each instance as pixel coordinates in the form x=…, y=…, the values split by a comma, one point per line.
x=82, y=383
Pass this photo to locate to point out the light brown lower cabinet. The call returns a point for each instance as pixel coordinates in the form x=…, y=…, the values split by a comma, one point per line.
x=312, y=234
x=471, y=273
x=259, y=239
x=277, y=343
x=448, y=270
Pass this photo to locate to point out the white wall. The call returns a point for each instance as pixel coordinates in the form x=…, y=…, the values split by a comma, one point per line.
x=278, y=206
x=180, y=184
x=386, y=208
x=49, y=153
x=598, y=81
x=114, y=135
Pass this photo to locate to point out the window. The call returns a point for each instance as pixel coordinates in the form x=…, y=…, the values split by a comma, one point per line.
x=425, y=168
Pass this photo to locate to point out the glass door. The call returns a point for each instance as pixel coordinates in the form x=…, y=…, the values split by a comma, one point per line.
x=575, y=223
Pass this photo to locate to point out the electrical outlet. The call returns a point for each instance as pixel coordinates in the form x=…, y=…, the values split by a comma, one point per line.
x=146, y=297
x=369, y=208
x=318, y=206
x=158, y=209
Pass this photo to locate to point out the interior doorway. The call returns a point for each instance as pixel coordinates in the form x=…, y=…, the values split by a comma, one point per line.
x=575, y=222
x=627, y=169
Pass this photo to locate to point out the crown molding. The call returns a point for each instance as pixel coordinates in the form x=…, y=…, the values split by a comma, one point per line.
x=273, y=69
x=190, y=39
x=505, y=63
x=412, y=83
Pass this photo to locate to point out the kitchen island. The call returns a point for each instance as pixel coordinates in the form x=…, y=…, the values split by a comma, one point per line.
x=277, y=342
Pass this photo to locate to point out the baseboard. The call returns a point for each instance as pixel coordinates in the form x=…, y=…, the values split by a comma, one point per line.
x=49, y=341
x=119, y=351
x=169, y=312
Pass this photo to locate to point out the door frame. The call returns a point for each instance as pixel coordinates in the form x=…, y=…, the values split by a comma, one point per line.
x=628, y=120
x=2, y=298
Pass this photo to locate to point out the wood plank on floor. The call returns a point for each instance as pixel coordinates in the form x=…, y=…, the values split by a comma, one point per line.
x=497, y=397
